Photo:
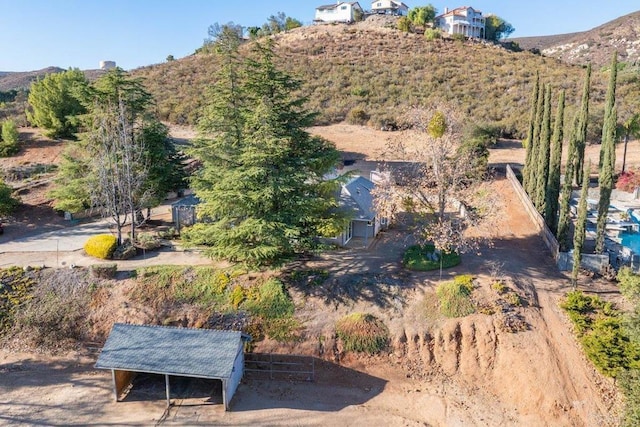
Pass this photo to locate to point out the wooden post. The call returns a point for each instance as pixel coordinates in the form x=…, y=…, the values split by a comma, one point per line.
x=224, y=395
x=166, y=379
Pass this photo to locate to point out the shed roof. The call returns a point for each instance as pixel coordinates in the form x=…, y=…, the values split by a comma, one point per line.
x=357, y=198
x=190, y=200
x=204, y=353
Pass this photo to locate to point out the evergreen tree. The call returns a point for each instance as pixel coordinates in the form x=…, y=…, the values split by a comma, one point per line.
x=535, y=144
x=261, y=181
x=542, y=174
x=7, y=202
x=581, y=131
x=553, y=191
x=581, y=223
x=532, y=119
x=71, y=192
x=607, y=156
x=53, y=104
x=564, y=218
x=9, y=139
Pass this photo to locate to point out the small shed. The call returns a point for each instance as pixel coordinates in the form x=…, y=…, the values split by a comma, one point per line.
x=171, y=351
x=183, y=212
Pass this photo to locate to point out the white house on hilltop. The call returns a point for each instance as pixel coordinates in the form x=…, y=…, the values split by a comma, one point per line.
x=389, y=7
x=462, y=20
x=338, y=12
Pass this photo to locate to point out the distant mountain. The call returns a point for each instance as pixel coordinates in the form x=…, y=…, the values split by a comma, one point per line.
x=595, y=46
x=22, y=80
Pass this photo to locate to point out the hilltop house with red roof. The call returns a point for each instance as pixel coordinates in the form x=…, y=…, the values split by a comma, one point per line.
x=462, y=20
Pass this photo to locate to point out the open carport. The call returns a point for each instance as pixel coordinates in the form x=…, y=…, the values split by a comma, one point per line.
x=169, y=351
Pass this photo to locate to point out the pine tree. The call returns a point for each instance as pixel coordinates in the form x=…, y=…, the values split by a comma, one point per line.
x=532, y=119
x=581, y=131
x=535, y=144
x=580, y=229
x=553, y=184
x=261, y=181
x=542, y=174
x=607, y=156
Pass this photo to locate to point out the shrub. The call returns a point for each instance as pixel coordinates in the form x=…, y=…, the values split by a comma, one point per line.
x=455, y=298
x=271, y=301
x=101, y=246
x=630, y=384
x=148, y=241
x=425, y=258
x=362, y=332
x=629, y=284
x=357, y=116
x=499, y=287
x=104, y=271
x=125, y=251
x=236, y=296
x=432, y=34
x=628, y=181
x=9, y=142
x=513, y=299
x=15, y=289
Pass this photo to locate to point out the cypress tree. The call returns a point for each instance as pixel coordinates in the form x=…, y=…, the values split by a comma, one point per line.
x=564, y=217
x=553, y=184
x=535, y=143
x=532, y=119
x=581, y=133
x=543, y=153
x=607, y=156
x=581, y=223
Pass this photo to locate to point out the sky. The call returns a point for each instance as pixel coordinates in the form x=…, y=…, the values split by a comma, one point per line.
x=35, y=34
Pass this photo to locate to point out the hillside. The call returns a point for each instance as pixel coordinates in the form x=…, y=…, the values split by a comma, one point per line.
x=23, y=80
x=368, y=74
x=596, y=45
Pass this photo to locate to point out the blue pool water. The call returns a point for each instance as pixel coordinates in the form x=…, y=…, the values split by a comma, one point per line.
x=631, y=240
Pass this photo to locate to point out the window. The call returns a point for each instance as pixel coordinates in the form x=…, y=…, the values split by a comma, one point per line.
x=343, y=7
x=379, y=4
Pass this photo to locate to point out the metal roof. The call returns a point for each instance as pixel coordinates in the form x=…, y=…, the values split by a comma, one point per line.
x=356, y=197
x=203, y=353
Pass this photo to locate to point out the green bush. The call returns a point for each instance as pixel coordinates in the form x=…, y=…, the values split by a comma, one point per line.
x=630, y=384
x=629, y=284
x=425, y=258
x=362, y=332
x=357, y=116
x=455, y=297
x=9, y=141
x=432, y=34
x=101, y=246
x=602, y=334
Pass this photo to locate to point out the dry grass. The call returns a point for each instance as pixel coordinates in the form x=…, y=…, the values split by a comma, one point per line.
x=363, y=72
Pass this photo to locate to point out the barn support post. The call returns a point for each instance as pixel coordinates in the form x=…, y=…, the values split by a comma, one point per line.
x=166, y=381
x=224, y=395
x=115, y=385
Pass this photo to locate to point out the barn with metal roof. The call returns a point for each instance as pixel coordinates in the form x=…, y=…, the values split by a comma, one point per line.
x=170, y=351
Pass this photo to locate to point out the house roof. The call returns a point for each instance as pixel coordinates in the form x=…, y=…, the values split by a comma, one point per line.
x=396, y=4
x=203, y=353
x=335, y=5
x=460, y=11
x=191, y=200
x=356, y=197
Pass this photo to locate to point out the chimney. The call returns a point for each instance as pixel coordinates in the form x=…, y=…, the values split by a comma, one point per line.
x=446, y=10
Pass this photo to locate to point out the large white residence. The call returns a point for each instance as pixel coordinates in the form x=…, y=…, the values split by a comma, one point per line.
x=338, y=12
x=462, y=20
x=389, y=7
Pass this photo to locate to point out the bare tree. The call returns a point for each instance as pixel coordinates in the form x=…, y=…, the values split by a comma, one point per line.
x=116, y=143
x=438, y=185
